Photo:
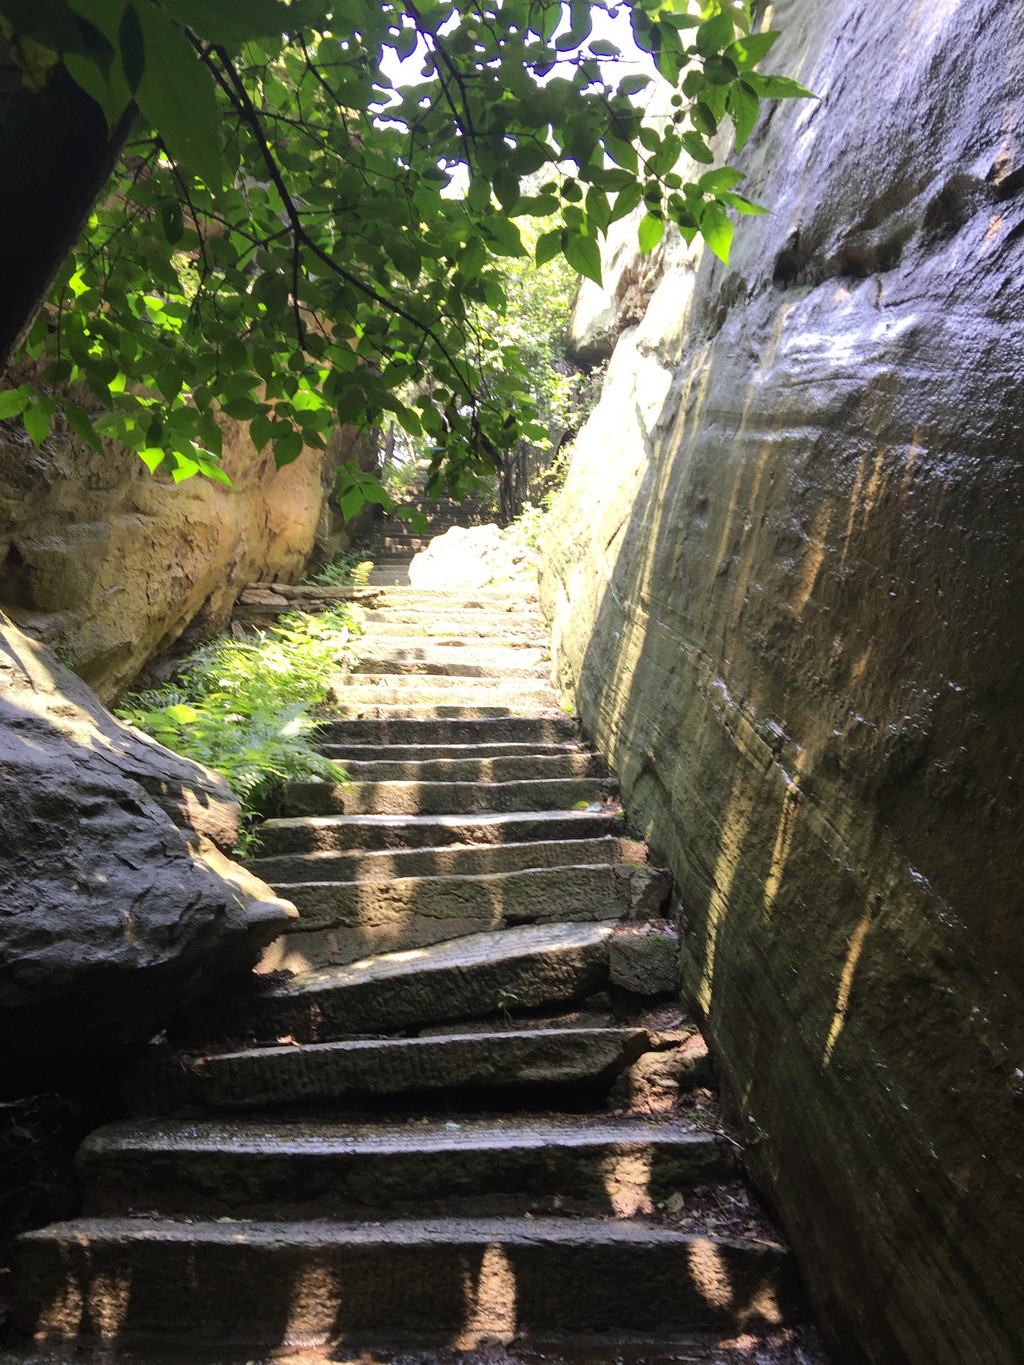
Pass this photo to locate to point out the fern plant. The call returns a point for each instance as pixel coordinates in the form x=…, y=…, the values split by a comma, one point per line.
x=245, y=708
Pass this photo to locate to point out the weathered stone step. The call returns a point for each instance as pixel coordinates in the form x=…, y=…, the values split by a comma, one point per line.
x=388, y=576
x=468, y=978
x=460, y=661
x=617, y=1166
x=316, y=1073
x=423, y=1281
x=509, y=768
x=444, y=798
x=457, y=729
x=453, y=860
x=406, y=753
x=603, y=891
x=446, y=623
x=382, y=708
x=312, y=834
x=438, y=688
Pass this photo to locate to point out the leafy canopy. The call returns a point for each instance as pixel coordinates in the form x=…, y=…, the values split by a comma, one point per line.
x=301, y=226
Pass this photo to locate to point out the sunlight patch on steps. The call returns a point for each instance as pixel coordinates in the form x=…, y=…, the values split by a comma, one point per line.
x=492, y=1303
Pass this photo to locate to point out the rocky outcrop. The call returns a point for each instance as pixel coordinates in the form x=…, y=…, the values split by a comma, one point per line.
x=112, y=567
x=786, y=585
x=116, y=904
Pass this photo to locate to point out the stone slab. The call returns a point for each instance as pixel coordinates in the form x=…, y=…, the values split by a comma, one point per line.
x=507, y=768
x=457, y=729
x=421, y=1281
x=565, y=893
x=312, y=833
x=250, y=1166
x=312, y=1073
x=443, y=798
x=472, y=977
x=453, y=860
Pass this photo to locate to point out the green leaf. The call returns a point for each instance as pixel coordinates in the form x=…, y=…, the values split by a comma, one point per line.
x=747, y=51
x=233, y=21
x=176, y=96
x=37, y=419
x=152, y=457
x=716, y=229
x=777, y=87
x=549, y=244
x=627, y=200
x=132, y=47
x=632, y=85
x=14, y=401
x=715, y=34
x=171, y=220
x=697, y=148
x=743, y=106
x=742, y=205
x=584, y=255
x=722, y=178
x=650, y=233
x=78, y=420
x=288, y=448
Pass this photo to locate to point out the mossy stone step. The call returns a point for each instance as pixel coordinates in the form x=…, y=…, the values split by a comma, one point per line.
x=583, y=893
x=316, y=1073
x=468, y=978
x=250, y=1167
x=328, y=833
x=404, y=753
x=423, y=1281
x=455, y=729
x=451, y=860
x=444, y=798
x=505, y=768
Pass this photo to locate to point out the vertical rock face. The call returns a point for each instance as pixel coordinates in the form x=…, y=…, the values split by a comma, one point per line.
x=111, y=566
x=788, y=589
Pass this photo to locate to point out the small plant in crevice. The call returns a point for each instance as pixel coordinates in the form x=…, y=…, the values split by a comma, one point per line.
x=245, y=707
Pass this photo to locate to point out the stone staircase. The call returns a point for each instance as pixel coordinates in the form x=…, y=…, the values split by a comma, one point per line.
x=459, y=1104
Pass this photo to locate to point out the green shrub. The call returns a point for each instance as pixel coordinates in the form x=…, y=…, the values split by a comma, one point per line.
x=245, y=707
x=349, y=569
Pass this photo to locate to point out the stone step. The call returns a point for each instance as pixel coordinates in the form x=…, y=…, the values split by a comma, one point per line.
x=453, y=860
x=475, y=902
x=501, y=640
x=409, y=688
x=317, y=1073
x=444, y=798
x=388, y=576
x=416, y=1281
x=383, y=708
x=250, y=1167
x=343, y=833
x=458, y=661
x=446, y=623
x=457, y=729
x=406, y=753
x=509, y=768
x=468, y=978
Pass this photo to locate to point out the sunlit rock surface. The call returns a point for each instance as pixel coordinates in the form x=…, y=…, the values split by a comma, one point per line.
x=116, y=905
x=788, y=593
x=472, y=557
x=112, y=567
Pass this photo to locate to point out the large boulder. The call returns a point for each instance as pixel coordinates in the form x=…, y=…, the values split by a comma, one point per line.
x=117, y=903
x=787, y=584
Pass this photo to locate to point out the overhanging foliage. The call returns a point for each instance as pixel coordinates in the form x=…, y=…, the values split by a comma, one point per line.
x=302, y=224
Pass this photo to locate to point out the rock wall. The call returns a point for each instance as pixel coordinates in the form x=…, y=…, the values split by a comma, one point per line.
x=787, y=586
x=112, y=567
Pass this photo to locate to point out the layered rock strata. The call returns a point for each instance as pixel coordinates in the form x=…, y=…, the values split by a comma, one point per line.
x=787, y=587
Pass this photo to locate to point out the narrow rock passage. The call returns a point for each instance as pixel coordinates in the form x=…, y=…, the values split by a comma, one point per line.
x=458, y=1105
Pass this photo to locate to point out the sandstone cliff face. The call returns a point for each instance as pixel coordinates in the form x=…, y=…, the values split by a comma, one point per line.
x=788, y=591
x=111, y=567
